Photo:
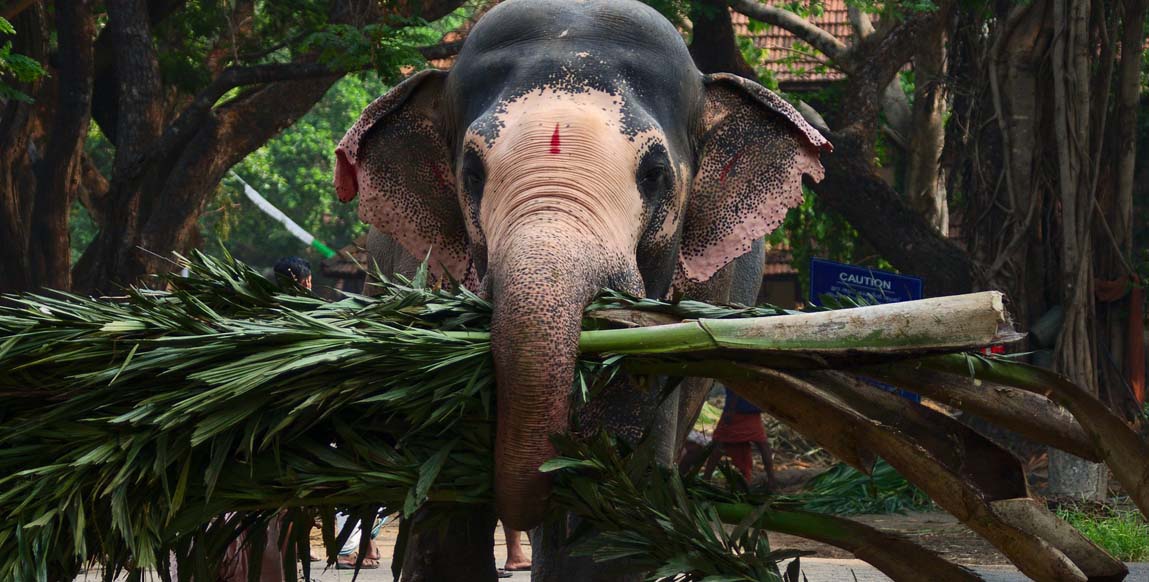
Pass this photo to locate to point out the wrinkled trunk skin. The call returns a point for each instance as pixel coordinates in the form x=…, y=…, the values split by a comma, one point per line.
x=540, y=281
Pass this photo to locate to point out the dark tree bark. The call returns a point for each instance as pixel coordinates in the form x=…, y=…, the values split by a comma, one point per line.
x=39, y=183
x=50, y=246
x=924, y=186
x=20, y=123
x=139, y=90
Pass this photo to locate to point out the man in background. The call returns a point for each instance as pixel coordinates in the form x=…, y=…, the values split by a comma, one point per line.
x=739, y=428
x=293, y=270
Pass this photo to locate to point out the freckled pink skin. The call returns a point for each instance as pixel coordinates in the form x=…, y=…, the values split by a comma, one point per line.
x=560, y=215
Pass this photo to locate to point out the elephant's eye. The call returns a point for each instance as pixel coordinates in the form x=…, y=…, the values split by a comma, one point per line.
x=474, y=177
x=473, y=182
x=654, y=175
x=653, y=180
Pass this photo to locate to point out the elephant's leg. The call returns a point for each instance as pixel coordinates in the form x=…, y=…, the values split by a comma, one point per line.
x=551, y=560
x=388, y=256
x=738, y=282
x=451, y=544
x=630, y=409
x=444, y=544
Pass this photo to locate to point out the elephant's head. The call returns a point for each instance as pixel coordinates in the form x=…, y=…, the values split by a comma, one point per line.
x=573, y=146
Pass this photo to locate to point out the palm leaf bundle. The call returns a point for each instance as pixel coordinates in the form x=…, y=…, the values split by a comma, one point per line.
x=168, y=423
x=155, y=428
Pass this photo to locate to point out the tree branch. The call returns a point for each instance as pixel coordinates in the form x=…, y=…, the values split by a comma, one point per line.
x=825, y=42
x=444, y=50
x=883, y=54
x=93, y=190
x=863, y=26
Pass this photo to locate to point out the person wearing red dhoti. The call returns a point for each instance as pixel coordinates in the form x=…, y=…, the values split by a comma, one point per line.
x=739, y=428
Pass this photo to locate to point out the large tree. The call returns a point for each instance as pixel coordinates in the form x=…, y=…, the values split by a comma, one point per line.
x=1043, y=148
x=183, y=91
x=1040, y=149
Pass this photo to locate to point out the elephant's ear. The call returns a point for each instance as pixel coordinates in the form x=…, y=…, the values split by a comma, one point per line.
x=397, y=157
x=754, y=149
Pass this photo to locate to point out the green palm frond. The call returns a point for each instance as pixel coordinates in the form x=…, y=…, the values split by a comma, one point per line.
x=170, y=423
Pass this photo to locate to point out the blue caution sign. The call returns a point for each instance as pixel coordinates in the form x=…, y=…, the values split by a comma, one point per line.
x=867, y=285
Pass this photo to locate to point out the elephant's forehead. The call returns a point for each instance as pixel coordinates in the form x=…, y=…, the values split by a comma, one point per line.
x=548, y=116
x=567, y=91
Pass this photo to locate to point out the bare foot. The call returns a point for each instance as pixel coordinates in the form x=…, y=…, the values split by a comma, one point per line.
x=517, y=560
x=348, y=562
x=520, y=565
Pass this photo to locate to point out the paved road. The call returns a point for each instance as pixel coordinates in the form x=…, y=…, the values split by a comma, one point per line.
x=815, y=569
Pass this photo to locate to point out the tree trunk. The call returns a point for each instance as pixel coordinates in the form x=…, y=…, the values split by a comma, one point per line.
x=1113, y=230
x=924, y=186
x=43, y=148
x=20, y=123
x=138, y=90
x=1075, y=352
x=59, y=171
x=714, y=46
x=1128, y=100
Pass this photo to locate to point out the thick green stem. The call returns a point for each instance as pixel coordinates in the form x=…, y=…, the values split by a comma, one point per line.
x=661, y=339
x=915, y=327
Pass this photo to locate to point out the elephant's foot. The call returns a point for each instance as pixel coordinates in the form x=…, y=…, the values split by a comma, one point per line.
x=552, y=561
x=451, y=545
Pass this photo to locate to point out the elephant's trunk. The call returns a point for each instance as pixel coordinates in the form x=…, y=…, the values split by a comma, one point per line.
x=540, y=285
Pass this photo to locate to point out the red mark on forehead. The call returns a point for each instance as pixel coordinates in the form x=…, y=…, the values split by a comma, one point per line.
x=556, y=142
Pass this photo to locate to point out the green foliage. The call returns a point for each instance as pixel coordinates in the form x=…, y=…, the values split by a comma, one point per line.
x=812, y=230
x=804, y=8
x=676, y=11
x=149, y=393
x=1122, y=533
x=897, y=9
x=280, y=30
x=386, y=48
x=15, y=68
x=295, y=172
x=281, y=401
x=650, y=516
x=843, y=490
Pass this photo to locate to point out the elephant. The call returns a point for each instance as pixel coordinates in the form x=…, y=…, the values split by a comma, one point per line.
x=574, y=146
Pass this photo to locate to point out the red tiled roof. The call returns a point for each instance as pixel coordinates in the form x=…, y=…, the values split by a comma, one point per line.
x=792, y=61
x=788, y=60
